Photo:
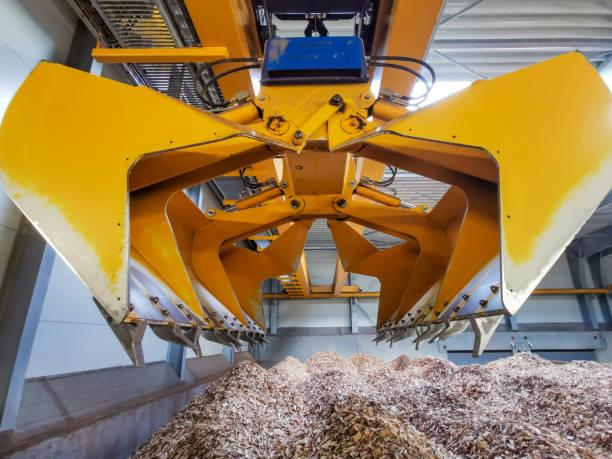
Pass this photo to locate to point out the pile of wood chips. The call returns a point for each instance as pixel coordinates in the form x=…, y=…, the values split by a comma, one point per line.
x=353, y=427
x=521, y=406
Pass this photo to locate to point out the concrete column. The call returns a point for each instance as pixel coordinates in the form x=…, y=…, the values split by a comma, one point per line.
x=176, y=358
x=21, y=299
x=511, y=322
x=354, y=315
x=586, y=308
x=594, y=262
x=274, y=317
x=228, y=353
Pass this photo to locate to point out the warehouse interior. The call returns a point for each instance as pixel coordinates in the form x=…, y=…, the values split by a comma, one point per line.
x=74, y=383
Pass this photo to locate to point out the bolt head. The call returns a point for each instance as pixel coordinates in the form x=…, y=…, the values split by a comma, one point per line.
x=261, y=98
x=295, y=203
x=341, y=203
x=426, y=209
x=352, y=184
x=336, y=100
x=210, y=212
x=368, y=96
x=284, y=184
x=298, y=134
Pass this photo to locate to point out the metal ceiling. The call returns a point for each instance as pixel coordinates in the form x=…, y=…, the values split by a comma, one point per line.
x=488, y=38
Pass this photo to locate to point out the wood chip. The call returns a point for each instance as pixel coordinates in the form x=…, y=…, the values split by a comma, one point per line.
x=328, y=406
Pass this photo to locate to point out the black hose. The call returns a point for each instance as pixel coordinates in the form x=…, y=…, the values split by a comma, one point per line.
x=245, y=181
x=428, y=86
x=208, y=67
x=429, y=68
x=378, y=61
x=217, y=77
x=231, y=60
x=384, y=183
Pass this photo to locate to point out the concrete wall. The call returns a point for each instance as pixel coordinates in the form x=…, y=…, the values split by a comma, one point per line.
x=113, y=436
x=606, y=269
x=30, y=31
x=104, y=413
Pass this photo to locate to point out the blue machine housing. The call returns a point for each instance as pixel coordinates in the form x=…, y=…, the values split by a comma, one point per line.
x=314, y=60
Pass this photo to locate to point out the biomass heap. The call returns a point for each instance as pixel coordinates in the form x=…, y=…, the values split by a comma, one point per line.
x=521, y=406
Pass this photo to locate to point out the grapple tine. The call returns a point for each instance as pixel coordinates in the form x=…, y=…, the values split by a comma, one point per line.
x=216, y=336
x=420, y=332
x=431, y=331
x=483, y=327
x=456, y=327
x=129, y=335
x=443, y=328
x=173, y=333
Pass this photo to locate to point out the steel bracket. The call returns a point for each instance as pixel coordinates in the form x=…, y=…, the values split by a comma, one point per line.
x=184, y=336
x=484, y=327
x=129, y=335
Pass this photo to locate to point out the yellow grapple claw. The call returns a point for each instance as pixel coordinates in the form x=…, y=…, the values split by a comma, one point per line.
x=526, y=161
